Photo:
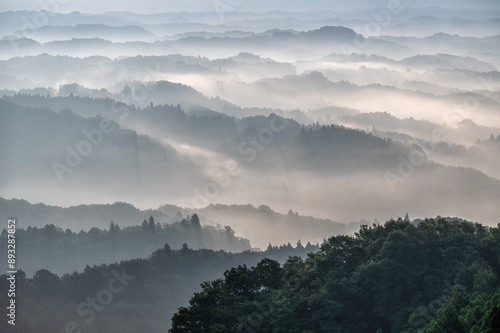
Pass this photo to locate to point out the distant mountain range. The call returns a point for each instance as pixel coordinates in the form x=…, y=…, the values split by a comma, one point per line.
x=61, y=150
x=173, y=162
x=261, y=224
x=116, y=34
x=310, y=111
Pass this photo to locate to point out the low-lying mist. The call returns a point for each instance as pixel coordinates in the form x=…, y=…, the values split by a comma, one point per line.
x=318, y=116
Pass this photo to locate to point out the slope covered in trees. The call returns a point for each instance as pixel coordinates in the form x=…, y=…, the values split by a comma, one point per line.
x=138, y=295
x=61, y=251
x=261, y=225
x=436, y=276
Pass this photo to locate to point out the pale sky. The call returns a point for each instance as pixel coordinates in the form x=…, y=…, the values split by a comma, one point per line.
x=159, y=6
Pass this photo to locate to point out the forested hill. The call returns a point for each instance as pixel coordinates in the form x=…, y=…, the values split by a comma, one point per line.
x=61, y=251
x=436, y=276
x=138, y=295
x=260, y=225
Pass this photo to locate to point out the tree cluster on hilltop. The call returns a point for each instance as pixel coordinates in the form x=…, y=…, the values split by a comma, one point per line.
x=435, y=276
x=61, y=251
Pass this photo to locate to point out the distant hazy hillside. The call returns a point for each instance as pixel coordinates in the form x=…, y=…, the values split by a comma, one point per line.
x=260, y=225
x=62, y=150
x=87, y=40
x=65, y=250
x=444, y=61
x=331, y=167
x=118, y=34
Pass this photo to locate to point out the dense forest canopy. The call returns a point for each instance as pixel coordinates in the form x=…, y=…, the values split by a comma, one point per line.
x=436, y=276
x=134, y=295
